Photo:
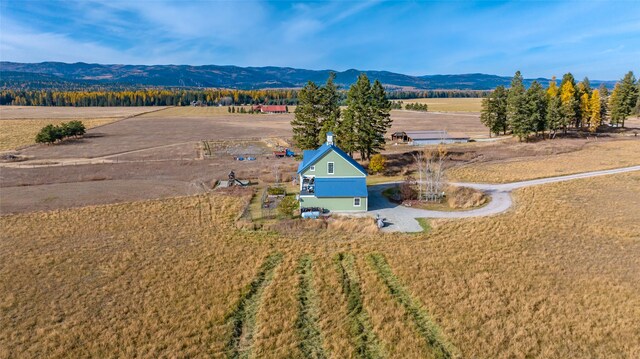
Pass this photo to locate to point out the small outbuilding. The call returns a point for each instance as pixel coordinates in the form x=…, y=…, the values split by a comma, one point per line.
x=421, y=138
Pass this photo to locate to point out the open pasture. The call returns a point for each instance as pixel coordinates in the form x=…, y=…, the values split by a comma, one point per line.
x=449, y=104
x=20, y=124
x=545, y=159
x=174, y=277
x=19, y=133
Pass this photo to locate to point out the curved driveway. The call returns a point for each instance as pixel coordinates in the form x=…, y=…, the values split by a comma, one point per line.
x=401, y=218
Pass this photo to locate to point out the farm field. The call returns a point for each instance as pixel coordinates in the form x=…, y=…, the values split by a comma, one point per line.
x=450, y=104
x=20, y=133
x=20, y=124
x=170, y=277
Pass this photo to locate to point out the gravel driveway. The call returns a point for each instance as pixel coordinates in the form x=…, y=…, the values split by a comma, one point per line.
x=402, y=219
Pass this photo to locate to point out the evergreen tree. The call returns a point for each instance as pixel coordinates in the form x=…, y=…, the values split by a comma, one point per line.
x=494, y=111
x=381, y=118
x=604, y=103
x=536, y=99
x=329, y=108
x=488, y=115
x=356, y=127
x=625, y=98
x=595, y=120
x=500, y=96
x=517, y=113
x=613, y=105
x=305, y=124
x=555, y=117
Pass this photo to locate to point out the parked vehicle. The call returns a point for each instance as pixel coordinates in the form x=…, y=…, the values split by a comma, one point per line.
x=283, y=152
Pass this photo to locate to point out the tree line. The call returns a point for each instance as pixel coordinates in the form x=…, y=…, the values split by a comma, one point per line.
x=51, y=133
x=359, y=128
x=414, y=106
x=537, y=110
x=147, y=97
x=405, y=95
x=182, y=97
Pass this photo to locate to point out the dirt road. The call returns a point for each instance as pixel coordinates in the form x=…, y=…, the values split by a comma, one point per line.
x=402, y=219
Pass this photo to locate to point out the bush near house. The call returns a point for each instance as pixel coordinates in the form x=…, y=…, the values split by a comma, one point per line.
x=287, y=206
x=377, y=163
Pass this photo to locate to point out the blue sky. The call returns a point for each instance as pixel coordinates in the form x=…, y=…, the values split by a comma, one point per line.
x=599, y=39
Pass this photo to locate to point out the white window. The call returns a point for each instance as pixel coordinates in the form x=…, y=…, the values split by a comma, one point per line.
x=330, y=168
x=356, y=202
x=312, y=168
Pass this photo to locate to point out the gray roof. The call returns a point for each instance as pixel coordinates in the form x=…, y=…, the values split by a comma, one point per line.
x=429, y=135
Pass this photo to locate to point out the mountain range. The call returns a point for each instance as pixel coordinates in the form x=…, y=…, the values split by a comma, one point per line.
x=82, y=75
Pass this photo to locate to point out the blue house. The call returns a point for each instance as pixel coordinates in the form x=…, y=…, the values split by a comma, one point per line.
x=331, y=179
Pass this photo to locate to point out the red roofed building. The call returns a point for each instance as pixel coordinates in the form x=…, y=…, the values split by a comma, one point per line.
x=271, y=108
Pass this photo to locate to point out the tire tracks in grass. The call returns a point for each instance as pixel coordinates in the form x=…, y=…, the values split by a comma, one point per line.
x=243, y=315
x=364, y=339
x=425, y=325
x=307, y=323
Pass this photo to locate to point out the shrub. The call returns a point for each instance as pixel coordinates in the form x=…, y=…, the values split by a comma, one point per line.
x=377, y=163
x=51, y=133
x=287, y=206
x=73, y=128
x=276, y=191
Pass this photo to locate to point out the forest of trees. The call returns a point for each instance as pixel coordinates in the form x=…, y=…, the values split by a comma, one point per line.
x=540, y=111
x=359, y=128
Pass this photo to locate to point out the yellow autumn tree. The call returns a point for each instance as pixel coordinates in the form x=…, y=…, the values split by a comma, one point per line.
x=377, y=163
x=585, y=111
x=552, y=91
x=595, y=119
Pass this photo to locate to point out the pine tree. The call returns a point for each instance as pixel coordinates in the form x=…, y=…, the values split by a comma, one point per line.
x=381, y=118
x=555, y=117
x=625, y=98
x=500, y=95
x=536, y=100
x=604, y=103
x=305, y=124
x=595, y=119
x=488, y=116
x=494, y=111
x=614, y=104
x=356, y=128
x=517, y=107
x=329, y=108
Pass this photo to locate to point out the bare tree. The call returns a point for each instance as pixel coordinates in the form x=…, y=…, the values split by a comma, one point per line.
x=431, y=165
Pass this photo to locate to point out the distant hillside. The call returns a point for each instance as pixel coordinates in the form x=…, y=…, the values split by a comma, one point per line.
x=78, y=75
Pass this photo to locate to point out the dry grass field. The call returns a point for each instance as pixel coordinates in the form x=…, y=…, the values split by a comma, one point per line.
x=557, y=276
x=18, y=133
x=450, y=104
x=69, y=113
x=591, y=156
x=20, y=124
